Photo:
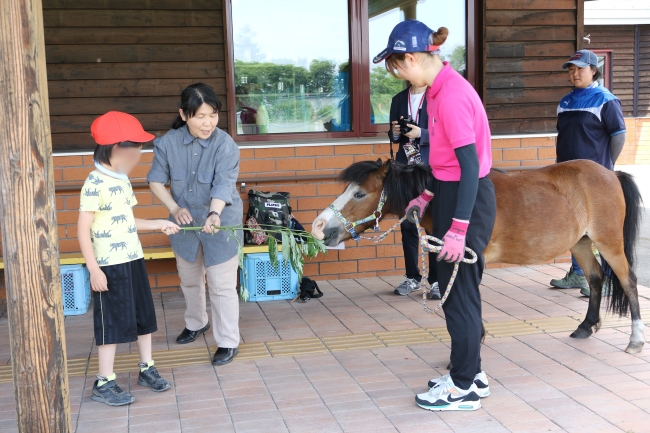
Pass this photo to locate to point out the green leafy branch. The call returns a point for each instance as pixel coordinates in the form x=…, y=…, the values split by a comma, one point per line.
x=293, y=252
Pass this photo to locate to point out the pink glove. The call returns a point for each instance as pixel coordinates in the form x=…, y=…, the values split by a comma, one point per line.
x=418, y=204
x=453, y=250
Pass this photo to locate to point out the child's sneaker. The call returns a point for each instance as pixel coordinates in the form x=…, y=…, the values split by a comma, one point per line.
x=447, y=396
x=151, y=378
x=111, y=394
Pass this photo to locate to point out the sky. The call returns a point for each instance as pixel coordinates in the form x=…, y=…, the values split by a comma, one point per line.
x=299, y=31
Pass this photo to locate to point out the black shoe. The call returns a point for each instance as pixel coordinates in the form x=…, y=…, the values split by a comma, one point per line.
x=223, y=355
x=151, y=378
x=188, y=336
x=111, y=394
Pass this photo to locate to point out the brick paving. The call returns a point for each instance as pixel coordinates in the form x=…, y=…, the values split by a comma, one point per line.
x=539, y=382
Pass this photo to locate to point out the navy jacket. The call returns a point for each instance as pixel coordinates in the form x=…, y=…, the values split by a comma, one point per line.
x=399, y=107
x=586, y=120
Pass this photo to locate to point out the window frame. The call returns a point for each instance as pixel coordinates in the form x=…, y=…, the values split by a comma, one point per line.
x=359, y=77
x=607, y=67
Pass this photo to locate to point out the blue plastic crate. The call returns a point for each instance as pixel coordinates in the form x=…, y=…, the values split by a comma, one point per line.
x=75, y=285
x=265, y=282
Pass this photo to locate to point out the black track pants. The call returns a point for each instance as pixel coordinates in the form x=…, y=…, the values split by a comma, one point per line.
x=463, y=307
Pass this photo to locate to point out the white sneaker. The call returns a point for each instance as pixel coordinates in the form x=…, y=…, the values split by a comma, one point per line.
x=407, y=286
x=447, y=396
x=480, y=380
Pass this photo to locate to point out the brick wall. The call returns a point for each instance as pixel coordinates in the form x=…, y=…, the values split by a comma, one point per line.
x=308, y=199
x=637, y=144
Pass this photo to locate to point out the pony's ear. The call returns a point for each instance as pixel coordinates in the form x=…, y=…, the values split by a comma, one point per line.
x=379, y=161
x=383, y=170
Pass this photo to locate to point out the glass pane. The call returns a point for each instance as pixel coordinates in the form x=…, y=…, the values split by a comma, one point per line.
x=384, y=15
x=291, y=66
x=601, y=68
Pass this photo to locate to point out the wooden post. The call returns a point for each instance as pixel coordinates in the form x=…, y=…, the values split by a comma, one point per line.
x=28, y=222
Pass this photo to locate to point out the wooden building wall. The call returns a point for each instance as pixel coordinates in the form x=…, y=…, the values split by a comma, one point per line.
x=644, y=71
x=526, y=42
x=620, y=39
x=630, y=45
x=128, y=55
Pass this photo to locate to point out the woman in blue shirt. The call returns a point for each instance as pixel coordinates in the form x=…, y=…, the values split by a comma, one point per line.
x=590, y=126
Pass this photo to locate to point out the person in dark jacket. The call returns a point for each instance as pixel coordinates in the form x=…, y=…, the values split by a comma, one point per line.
x=590, y=125
x=412, y=148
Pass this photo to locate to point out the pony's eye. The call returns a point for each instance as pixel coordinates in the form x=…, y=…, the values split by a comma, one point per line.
x=359, y=195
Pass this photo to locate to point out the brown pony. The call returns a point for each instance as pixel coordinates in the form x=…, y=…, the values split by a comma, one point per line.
x=540, y=215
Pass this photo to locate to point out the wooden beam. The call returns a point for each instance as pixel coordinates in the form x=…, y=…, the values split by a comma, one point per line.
x=29, y=227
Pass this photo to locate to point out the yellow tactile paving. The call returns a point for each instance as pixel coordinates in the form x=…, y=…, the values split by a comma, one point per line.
x=406, y=337
x=510, y=329
x=440, y=333
x=555, y=324
x=202, y=355
x=6, y=375
x=352, y=341
x=296, y=347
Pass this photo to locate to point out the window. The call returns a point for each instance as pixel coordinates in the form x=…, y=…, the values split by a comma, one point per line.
x=291, y=66
x=302, y=69
x=605, y=67
x=383, y=16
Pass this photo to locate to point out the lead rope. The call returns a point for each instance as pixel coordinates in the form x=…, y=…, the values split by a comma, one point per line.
x=427, y=247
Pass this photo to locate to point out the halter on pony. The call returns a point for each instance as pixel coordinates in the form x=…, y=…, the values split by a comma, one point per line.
x=349, y=226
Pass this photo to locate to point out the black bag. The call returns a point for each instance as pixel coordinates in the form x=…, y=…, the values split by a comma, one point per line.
x=309, y=289
x=264, y=209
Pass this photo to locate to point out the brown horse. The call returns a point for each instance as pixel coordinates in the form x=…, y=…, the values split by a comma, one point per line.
x=540, y=215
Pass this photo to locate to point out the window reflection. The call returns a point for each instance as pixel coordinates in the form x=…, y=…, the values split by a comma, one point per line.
x=291, y=66
x=384, y=15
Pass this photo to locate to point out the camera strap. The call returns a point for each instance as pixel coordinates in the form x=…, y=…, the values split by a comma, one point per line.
x=416, y=115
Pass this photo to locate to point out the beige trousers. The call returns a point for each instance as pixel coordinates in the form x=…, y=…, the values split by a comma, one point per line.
x=222, y=287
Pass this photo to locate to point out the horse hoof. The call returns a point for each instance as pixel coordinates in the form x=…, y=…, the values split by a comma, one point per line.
x=581, y=333
x=634, y=347
x=449, y=366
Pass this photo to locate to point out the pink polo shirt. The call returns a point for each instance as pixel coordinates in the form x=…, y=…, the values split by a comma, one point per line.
x=456, y=118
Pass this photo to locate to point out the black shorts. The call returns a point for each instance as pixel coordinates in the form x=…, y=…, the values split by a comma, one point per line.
x=126, y=310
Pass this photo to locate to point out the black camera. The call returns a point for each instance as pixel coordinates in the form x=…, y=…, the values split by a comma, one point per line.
x=404, y=123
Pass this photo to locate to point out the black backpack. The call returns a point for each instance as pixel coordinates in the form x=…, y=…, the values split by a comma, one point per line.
x=309, y=289
x=264, y=209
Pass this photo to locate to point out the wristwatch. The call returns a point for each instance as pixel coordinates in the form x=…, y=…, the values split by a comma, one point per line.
x=214, y=212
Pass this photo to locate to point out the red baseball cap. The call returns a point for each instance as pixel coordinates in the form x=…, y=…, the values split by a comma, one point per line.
x=115, y=127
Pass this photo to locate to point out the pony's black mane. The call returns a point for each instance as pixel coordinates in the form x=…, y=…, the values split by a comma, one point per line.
x=402, y=182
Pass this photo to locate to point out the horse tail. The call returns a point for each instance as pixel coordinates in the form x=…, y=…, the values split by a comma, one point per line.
x=619, y=302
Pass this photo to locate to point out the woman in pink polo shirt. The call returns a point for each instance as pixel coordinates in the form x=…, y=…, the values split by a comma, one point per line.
x=464, y=204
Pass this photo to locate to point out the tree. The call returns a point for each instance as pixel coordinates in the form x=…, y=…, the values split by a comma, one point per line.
x=322, y=76
x=458, y=59
x=246, y=48
x=383, y=83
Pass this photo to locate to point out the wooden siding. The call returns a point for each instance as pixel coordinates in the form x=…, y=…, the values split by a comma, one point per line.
x=619, y=39
x=644, y=72
x=128, y=55
x=526, y=42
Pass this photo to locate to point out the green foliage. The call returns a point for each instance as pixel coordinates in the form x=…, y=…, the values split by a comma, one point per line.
x=383, y=83
x=458, y=59
x=292, y=251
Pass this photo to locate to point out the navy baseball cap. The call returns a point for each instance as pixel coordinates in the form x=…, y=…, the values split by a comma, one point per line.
x=409, y=36
x=582, y=59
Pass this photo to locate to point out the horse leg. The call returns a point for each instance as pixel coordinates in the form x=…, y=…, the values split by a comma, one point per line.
x=593, y=272
x=624, y=285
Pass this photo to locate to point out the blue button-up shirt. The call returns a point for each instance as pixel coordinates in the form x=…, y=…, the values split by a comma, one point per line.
x=197, y=171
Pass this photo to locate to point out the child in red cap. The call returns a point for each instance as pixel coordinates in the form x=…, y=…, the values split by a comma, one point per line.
x=123, y=306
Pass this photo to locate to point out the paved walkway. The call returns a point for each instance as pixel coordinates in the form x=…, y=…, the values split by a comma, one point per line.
x=353, y=360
